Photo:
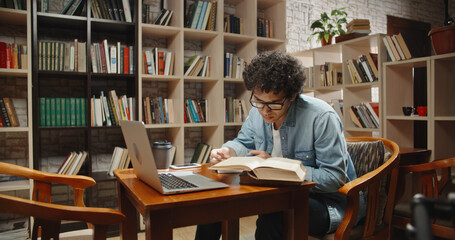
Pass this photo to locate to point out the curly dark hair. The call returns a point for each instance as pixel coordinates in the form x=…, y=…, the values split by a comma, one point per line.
x=275, y=71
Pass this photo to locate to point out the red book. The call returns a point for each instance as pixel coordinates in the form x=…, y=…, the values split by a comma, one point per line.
x=160, y=63
x=1, y=122
x=126, y=60
x=375, y=106
x=3, y=51
x=146, y=71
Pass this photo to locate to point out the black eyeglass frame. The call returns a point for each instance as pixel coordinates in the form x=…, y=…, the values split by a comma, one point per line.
x=267, y=103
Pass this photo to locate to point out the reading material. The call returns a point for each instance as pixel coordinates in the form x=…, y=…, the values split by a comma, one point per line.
x=280, y=169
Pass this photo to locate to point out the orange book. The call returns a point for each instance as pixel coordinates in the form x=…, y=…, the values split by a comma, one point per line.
x=160, y=63
x=126, y=60
x=10, y=111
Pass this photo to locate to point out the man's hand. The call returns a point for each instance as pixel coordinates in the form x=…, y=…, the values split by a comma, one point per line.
x=259, y=153
x=220, y=154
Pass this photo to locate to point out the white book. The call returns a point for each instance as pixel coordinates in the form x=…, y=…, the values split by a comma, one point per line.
x=113, y=59
x=119, y=56
x=105, y=109
x=167, y=64
x=116, y=156
x=206, y=16
x=79, y=163
x=204, y=68
x=65, y=164
x=127, y=10
x=192, y=65
x=398, y=47
x=148, y=60
x=71, y=58
x=98, y=112
x=74, y=164
x=168, y=19
x=93, y=58
x=131, y=107
x=106, y=53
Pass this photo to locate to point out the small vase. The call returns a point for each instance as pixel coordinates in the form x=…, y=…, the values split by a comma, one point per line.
x=443, y=39
x=324, y=43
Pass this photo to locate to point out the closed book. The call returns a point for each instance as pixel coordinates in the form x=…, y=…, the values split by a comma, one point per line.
x=202, y=15
x=197, y=14
x=53, y=112
x=4, y=114
x=58, y=112
x=161, y=63
x=127, y=10
x=73, y=113
x=126, y=60
x=355, y=117
x=403, y=46
x=42, y=112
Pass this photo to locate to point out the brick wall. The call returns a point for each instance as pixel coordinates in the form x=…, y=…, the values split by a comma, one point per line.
x=301, y=13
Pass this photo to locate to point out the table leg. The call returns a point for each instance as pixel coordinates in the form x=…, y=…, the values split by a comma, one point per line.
x=296, y=219
x=158, y=225
x=128, y=230
x=230, y=229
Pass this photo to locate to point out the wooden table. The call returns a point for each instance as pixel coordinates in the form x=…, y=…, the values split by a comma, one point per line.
x=163, y=213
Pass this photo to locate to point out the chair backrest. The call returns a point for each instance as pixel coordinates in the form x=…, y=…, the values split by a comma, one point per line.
x=48, y=216
x=376, y=161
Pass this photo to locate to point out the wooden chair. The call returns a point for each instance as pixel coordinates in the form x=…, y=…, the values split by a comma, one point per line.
x=433, y=180
x=377, y=223
x=48, y=216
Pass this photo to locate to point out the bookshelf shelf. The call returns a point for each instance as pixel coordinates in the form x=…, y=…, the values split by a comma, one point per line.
x=13, y=16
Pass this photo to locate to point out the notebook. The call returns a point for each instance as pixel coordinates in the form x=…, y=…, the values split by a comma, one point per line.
x=141, y=155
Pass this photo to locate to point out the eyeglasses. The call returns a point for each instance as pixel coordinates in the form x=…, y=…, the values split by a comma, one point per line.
x=270, y=105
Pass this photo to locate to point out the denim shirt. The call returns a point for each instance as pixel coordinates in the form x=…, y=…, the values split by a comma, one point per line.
x=312, y=133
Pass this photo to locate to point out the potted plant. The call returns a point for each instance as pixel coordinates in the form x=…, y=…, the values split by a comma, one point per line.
x=327, y=26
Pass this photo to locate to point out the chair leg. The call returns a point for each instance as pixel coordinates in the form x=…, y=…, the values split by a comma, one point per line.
x=50, y=231
x=100, y=232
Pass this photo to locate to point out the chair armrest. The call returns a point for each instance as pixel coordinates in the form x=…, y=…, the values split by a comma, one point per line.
x=97, y=216
x=76, y=181
x=436, y=164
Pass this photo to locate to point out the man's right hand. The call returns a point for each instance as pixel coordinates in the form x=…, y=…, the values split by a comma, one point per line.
x=219, y=154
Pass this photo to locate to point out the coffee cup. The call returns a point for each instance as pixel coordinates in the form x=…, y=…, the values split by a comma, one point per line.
x=407, y=111
x=422, y=111
x=162, y=154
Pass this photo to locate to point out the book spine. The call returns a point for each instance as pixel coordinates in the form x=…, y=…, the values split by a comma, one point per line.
x=4, y=114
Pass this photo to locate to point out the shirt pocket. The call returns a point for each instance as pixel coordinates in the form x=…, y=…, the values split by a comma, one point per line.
x=307, y=157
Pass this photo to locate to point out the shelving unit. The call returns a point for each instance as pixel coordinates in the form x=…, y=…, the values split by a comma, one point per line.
x=440, y=119
x=352, y=94
x=186, y=42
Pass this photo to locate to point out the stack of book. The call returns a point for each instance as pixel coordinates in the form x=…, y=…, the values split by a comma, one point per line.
x=158, y=62
x=13, y=55
x=363, y=69
x=233, y=66
x=201, y=15
x=355, y=28
x=62, y=112
x=62, y=56
x=109, y=110
x=195, y=111
x=396, y=47
x=13, y=112
x=116, y=58
x=118, y=10
x=197, y=65
x=235, y=110
x=201, y=153
x=365, y=115
x=265, y=28
x=120, y=160
x=233, y=24
x=158, y=110
x=330, y=74
x=72, y=163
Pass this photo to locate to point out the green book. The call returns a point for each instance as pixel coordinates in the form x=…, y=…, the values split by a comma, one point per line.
x=58, y=112
x=200, y=149
x=63, y=112
x=48, y=112
x=73, y=111
x=83, y=112
x=78, y=112
x=42, y=112
x=68, y=111
x=53, y=111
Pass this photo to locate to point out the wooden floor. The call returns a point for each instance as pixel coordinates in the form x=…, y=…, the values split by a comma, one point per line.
x=247, y=228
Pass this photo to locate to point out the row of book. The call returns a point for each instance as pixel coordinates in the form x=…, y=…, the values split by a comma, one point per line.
x=14, y=4
x=62, y=56
x=330, y=74
x=365, y=115
x=197, y=65
x=13, y=55
x=265, y=28
x=109, y=110
x=162, y=19
x=235, y=110
x=158, y=110
x=118, y=10
x=363, y=69
x=62, y=112
x=116, y=58
x=233, y=66
x=120, y=160
x=73, y=163
x=13, y=112
x=309, y=73
x=158, y=62
x=201, y=153
x=233, y=24
x=201, y=15
x=396, y=47
x=195, y=111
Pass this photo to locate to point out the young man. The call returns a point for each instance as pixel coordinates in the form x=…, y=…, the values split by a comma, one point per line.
x=284, y=123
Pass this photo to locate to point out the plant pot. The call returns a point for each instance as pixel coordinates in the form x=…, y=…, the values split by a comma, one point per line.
x=323, y=42
x=443, y=39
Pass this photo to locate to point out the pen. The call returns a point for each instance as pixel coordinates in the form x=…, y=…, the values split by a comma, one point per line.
x=250, y=155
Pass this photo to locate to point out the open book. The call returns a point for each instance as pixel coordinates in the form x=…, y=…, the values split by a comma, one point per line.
x=279, y=169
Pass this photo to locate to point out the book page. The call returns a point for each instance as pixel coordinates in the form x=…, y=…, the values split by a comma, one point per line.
x=238, y=163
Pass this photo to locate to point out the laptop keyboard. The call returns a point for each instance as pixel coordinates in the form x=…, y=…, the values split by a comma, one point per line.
x=170, y=181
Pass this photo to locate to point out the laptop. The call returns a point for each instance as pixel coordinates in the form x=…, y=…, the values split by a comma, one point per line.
x=144, y=166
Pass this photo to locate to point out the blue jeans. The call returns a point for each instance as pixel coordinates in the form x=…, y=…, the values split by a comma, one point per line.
x=270, y=226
